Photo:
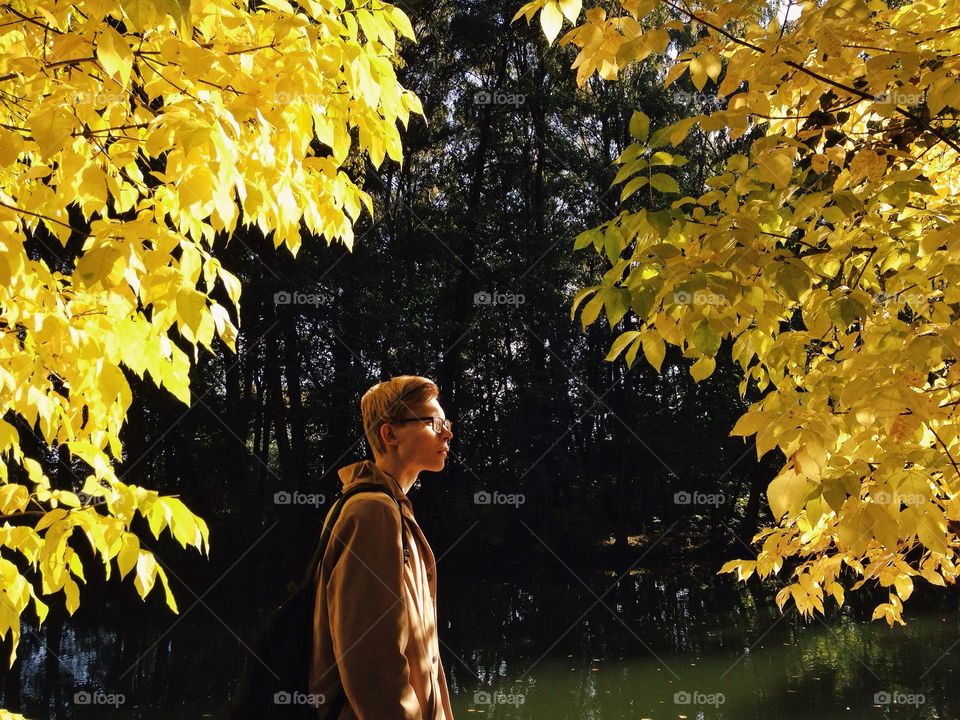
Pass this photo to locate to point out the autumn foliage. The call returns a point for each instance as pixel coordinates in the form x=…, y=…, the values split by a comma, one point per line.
x=828, y=254
x=134, y=136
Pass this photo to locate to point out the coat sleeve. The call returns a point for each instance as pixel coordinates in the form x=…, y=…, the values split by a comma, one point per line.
x=368, y=616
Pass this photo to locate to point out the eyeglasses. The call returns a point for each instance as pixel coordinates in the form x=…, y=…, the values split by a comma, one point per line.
x=439, y=424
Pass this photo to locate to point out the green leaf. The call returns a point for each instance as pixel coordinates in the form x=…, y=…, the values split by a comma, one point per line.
x=705, y=338
x=616, y=302
x=585, y=238
x=613, y=243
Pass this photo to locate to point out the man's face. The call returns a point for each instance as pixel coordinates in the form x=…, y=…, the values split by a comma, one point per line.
x=419, y=447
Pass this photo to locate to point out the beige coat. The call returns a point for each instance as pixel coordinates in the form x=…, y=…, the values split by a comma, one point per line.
x=375, y=623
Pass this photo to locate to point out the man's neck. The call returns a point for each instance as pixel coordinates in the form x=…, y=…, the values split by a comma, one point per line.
x=404, y=478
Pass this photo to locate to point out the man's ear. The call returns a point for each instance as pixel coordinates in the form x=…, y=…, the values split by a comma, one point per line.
x=388, y=435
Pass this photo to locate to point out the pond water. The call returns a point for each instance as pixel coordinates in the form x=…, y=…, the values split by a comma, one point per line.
x=542, y=642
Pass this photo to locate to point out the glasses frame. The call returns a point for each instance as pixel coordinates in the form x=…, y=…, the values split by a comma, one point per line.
x=439, y=424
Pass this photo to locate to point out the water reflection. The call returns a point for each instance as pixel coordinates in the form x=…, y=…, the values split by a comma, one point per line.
x=527, y=645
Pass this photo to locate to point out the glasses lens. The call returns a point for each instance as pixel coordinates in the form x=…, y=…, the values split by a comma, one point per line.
x=437, y=425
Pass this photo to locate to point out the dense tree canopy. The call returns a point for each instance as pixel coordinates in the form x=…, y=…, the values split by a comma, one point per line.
x=135, y=139
x=827, y=250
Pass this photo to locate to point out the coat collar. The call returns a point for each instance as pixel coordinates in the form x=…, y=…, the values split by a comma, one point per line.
x=366, y=471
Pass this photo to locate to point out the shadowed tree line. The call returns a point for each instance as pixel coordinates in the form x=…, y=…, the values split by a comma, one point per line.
x=466, y=275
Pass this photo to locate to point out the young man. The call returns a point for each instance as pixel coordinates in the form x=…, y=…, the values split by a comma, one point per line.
x=375, y=649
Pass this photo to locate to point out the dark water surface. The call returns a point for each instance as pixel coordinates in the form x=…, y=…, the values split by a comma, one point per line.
x=532, y=643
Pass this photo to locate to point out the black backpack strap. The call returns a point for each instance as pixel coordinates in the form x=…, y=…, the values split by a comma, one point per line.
x=334, y=514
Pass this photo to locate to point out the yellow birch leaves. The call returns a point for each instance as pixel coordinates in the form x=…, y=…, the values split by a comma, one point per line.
x=134, y=135
x=829, y=254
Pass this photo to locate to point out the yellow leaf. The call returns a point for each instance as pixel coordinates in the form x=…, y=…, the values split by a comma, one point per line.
x=639, y=125
x=621, y=343
x=103, y=266
x=698, y=72
x=712, y=65
x=664, y=183
x=129, y=553
x=775, y=168
x=654, y=349
x=571, y=9
x=703, y=368
x=551, y=19
x=401, y=22
x=146, y=573
x=787, y=493
x=11, y=145
x=51, y=127
x=114, y=54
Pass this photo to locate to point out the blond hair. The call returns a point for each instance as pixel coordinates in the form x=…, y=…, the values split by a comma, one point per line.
x=390, y=400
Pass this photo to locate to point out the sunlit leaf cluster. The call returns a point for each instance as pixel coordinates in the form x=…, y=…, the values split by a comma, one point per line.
x=828, y=255
x=136, y=138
